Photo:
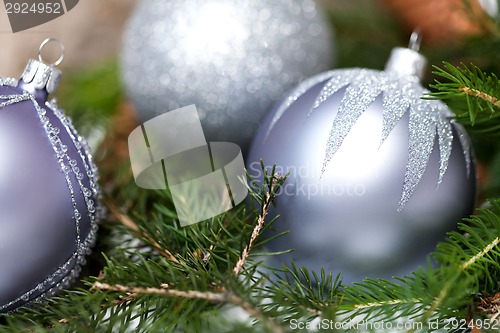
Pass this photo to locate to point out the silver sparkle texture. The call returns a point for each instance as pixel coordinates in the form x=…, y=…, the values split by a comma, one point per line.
x=378, y=175
x=49, y=196
x=232, y=59
x=401, y=94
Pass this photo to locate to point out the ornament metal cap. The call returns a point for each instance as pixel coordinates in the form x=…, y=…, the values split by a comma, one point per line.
x=407, y=61
x=41, y=75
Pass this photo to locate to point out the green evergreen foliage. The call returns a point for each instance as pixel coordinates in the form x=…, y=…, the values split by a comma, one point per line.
x=475, y=91
x=156, y=276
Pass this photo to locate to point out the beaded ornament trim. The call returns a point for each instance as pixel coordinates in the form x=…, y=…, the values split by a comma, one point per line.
x=72, y=267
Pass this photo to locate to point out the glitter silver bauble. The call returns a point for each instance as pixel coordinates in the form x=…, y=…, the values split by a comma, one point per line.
x=232, y=59
x=49, y=196
x=378, y=175
x=490, y=7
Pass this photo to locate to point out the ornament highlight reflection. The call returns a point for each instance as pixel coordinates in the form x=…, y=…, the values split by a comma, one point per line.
x=214, y=29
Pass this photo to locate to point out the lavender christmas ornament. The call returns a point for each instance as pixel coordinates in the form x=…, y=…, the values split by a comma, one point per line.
x=378, y=175
x=49, y=196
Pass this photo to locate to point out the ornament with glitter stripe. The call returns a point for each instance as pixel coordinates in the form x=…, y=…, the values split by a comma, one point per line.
x=49, y=196
x=378, y=174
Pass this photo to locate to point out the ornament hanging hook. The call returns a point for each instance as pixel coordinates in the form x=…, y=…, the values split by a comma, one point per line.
x=61, y=46
x=415, y=40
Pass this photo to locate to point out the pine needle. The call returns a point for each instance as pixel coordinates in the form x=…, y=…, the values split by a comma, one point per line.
x=475, y=95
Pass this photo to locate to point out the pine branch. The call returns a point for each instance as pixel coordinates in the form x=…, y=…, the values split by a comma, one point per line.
x=481, y=254
x=164, y=291
x=219, y=290
x=136, y=231
x=385, y=303
x=275, y=182
x=223, y=297
x=426, y=294
x=481, y=95
x=302, y=293
x=474, y=94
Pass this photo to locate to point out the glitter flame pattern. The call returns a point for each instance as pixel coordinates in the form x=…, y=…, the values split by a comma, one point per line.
x=401, y=94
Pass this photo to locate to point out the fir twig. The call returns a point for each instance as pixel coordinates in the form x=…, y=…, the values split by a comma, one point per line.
x=481, y=254
x=471, y=88
x=269, y=197
x=224, y=297
x=219, y=291
x=137, y=231
x=480, y=94
x=164, y=291
x=385, y=303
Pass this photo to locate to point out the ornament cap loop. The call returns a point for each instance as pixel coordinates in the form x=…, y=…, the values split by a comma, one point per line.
x=415, y=41
x=61, y=46
x=406, y=62
x=41, y=76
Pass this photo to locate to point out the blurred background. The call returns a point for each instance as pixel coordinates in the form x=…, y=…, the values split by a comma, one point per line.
x=91, y=32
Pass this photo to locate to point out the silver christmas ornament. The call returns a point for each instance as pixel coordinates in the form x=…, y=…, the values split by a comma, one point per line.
x=378, y=175
x=232, y=59
x=49, y=196
x=490, y=7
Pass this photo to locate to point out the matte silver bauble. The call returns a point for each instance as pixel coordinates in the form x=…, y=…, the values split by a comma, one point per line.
x=232, y=59
x=378, y=175
x=49, y=196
